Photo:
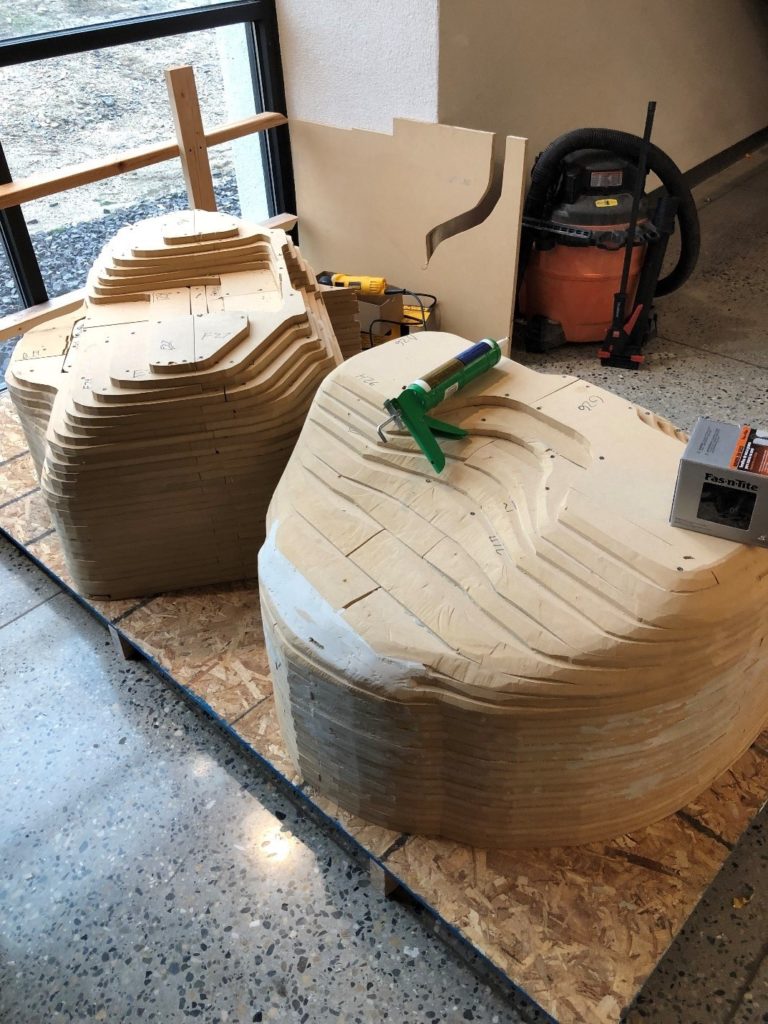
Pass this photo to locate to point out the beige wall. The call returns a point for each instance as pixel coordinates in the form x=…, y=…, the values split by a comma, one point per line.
x=542, y=67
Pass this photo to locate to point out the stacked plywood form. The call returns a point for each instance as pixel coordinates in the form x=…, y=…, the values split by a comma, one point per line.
x=161, y=413
x=521, y=650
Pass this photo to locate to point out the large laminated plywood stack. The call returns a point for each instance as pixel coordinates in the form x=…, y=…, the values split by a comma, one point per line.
x=520, y=651
x=162, y=412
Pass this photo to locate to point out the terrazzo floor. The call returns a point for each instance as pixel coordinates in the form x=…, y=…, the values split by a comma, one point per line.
x=149, y=871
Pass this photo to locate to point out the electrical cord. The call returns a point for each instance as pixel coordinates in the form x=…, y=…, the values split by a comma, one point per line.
x=407, y=320
x=419, y=297
x=381, y=320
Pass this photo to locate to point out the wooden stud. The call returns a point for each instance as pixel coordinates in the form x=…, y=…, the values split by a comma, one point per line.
x=38, y=186
x=33, y=316
x=284, y=221
x=190, y=135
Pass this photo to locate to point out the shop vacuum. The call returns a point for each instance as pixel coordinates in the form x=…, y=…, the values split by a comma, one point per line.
x=593, y=244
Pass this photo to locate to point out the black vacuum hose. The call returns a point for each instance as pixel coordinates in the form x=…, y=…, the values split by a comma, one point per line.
x=546, y=172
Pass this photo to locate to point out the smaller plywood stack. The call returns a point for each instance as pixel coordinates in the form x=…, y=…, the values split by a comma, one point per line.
x=161, y=413
x=342, y=307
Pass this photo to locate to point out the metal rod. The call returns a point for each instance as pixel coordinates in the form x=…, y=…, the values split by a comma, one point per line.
x=636, y=197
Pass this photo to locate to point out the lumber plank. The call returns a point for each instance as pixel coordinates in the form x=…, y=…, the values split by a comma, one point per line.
x=37, y=186
x=190, y=136
x=33, y=316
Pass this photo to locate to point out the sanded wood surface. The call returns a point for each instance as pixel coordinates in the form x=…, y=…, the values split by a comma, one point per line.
x=371, y=203
x=578, y=928
x=162, y=410
x=521, y=650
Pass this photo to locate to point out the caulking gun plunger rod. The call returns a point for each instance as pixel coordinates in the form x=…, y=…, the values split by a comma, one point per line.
x=410, y=408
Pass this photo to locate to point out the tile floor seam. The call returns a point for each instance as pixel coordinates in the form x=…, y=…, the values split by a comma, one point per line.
x=40, y=536
x=699, y=826
x=711, y=352
x=750, y=975
x=129, y=611
x=19, y=497
x=12, y=458
x=396, y=845
x=248, y=710
x=32, y=609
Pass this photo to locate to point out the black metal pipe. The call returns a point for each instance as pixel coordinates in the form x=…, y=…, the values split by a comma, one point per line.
x=15, y=238
x=620, y=299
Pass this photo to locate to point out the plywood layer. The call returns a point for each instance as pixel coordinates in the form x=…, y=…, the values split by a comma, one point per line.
x=521, y=650
x=161, y=413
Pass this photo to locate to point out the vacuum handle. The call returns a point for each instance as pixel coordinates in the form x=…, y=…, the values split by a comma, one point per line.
x=620, y=299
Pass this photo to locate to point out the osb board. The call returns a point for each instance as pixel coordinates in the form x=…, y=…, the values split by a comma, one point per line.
x=578, y=929
x=367, y=201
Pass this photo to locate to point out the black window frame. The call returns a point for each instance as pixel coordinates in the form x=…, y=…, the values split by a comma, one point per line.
x=263, y=44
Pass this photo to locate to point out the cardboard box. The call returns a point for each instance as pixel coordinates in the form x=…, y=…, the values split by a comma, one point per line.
x=379, y=307
x=418, y=318
x=722, y=483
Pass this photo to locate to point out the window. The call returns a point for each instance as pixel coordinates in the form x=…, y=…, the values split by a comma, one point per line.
x=80, y=93
x=10, y=302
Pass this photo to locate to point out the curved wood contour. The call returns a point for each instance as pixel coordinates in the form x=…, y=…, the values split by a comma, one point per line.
x=521, y=650
x=162, y=411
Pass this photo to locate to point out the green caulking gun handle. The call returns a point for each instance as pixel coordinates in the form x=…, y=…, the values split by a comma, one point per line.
x=414, y=401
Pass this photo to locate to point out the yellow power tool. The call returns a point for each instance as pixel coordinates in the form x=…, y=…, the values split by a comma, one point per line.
x=363, y=284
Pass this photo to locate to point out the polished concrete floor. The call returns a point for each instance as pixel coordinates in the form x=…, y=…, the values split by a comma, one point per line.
x=149, y=872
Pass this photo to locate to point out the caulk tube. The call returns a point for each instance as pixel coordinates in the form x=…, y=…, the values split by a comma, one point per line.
x=458, y=371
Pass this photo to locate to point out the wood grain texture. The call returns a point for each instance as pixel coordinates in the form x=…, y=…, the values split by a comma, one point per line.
x=161, y=412
x=190, y=136
x=520, y=651
x=25, y=319
x=49, y=183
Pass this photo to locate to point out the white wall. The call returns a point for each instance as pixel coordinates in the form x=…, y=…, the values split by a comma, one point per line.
x=358, y=65
x=538, y=68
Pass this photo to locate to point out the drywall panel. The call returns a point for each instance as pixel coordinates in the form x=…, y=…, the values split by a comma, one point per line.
x=359, y=66
x=540, y=69
x=368, y=201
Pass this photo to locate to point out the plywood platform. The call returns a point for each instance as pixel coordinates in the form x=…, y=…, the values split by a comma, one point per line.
x=578, y=929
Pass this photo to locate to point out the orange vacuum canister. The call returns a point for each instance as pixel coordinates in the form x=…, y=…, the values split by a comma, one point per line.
x=575, y=264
